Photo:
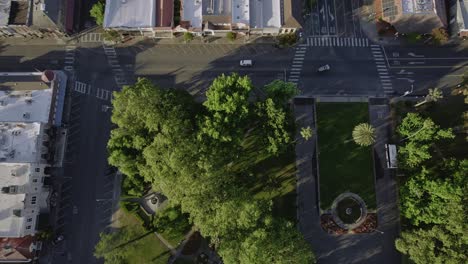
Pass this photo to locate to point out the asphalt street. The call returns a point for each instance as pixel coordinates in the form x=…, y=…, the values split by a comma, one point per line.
x=88, y=190
x=335, y=18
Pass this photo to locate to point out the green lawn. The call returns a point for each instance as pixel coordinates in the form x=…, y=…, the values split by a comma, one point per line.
x=344, y=166
x=149, y=248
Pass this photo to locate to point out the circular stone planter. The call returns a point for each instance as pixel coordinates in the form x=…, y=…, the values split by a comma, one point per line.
x=349, y=210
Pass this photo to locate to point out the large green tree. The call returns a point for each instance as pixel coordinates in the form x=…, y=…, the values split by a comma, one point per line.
x=275, y=124
x=429, y=199
x=419, y=134
x=190, y=153
x=228, y=107
x=281, y=92
x=97, y=12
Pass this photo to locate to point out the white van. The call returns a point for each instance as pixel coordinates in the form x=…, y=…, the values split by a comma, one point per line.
x=246, y=63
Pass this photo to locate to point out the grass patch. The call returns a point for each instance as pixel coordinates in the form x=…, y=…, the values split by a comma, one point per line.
x=147, y=249
x=344, y=166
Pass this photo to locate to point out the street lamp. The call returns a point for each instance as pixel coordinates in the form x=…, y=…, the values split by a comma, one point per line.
x=408, y=92
x=381, y=232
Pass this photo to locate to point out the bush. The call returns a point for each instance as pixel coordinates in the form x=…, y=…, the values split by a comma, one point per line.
x=97, y=12
x=111, y=35
x=414, y=38
x=440, y=35
x=188, y=36
x=231, y=36
x=287, y=39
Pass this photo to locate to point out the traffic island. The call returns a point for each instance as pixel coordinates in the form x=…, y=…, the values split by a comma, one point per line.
x=345, y=169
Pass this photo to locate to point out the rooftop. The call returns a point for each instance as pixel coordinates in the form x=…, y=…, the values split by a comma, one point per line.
x=265, y=14
x=5, y=6
x=192, y=12
x=19, y=13
x=241, y=12
x=216, y=7
x=417, y=6
x=24, y=98
x=462, y=14
x=11, y=224
x=130, y=14
x=20, y=142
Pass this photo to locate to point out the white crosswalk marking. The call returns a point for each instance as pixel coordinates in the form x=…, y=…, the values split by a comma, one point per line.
x=80, y=87
x=382, y=69
x=92, y=37
x=337, y=42
x=103, y=94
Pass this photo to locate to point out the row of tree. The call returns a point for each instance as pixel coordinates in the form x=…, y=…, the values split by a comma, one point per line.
x=193, y=154
x=433, y=198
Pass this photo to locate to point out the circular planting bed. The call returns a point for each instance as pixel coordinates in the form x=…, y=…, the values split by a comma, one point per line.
x=348, y=211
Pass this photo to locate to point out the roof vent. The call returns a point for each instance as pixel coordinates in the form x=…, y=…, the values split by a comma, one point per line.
x=29, y=100
x=27, y=115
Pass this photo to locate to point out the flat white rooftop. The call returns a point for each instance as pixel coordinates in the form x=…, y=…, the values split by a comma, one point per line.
x=130, y=14
x=241, y=12
x=192, y=11
x=10, y=224
x=265, y=14
x=20, y=142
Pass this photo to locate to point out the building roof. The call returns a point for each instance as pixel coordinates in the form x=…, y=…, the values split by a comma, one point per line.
x=164, y=13
x=24, y=98
x=10, y=224
x=420, y=16
x=20, y=142
x=5, y=6
x=17, y=249
x=241, y=12
x=130, y=14
x=19, y=13
x=292, y=13
x=462, y=15
x=265, y=14
x=192, y=12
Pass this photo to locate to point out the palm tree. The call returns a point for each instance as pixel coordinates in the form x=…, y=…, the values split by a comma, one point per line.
x=364, y=134
x=432, y=96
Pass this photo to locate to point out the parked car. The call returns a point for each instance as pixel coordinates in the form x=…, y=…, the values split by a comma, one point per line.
x=246, y=63
x=58, y=239
x=324, y=68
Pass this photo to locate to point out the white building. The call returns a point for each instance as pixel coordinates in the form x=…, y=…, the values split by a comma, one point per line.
x=254, y=16
x=30, y=105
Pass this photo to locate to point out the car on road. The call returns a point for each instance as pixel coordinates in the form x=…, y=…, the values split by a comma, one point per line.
x=323, y=68
x=58, y=239
x=246, y=63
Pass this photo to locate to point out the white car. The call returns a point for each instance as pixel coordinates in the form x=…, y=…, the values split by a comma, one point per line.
x=324, y=68
x=246, y=63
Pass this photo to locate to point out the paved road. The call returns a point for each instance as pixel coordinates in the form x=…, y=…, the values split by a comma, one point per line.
x=356, y=70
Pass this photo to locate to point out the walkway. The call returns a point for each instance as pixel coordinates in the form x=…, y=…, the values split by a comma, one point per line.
x=362, y=248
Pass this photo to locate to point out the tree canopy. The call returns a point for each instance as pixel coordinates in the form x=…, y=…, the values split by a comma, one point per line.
x=190, y=152
x=433, y=198
x=97, y=12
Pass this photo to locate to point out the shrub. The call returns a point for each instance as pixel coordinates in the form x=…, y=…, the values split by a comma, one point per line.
x=414, y=38
x=231, y=36
x=440, y=35
x=111, y=35
x=287, y=39
x=188, y=36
